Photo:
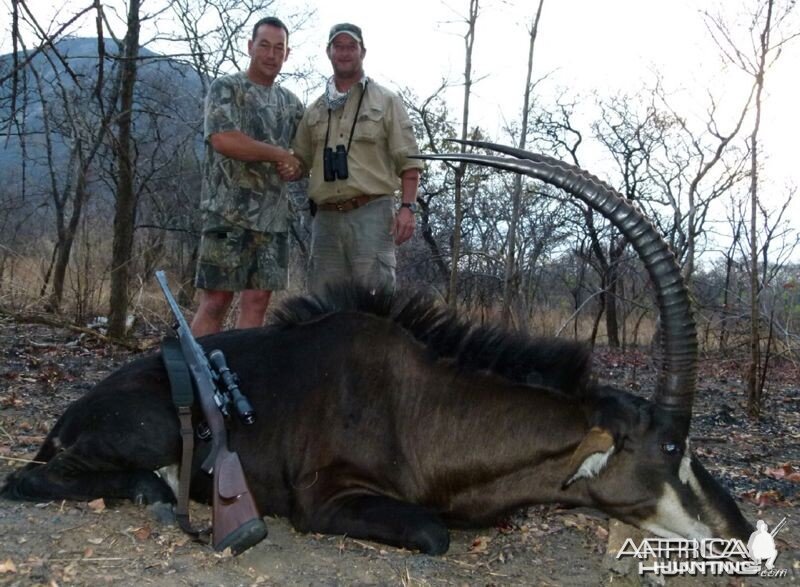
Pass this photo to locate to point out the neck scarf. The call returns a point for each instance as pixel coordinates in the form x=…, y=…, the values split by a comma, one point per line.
x=335, y=99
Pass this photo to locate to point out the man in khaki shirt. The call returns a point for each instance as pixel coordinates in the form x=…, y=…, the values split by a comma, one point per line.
x=355, y=140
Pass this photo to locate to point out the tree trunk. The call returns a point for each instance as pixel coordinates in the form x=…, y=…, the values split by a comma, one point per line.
x=612, y=321
x=125, y=210
x=427, y=235
x=67, y=239
x=612, y=277
x=726, y=300
x=754, y=385
x=511, y=280
x=469, y=40
x=596, y=322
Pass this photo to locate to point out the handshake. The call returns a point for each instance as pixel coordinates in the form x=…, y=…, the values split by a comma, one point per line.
x=289, y=167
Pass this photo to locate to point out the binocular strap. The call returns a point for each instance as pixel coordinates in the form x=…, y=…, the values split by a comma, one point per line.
x=355, y=119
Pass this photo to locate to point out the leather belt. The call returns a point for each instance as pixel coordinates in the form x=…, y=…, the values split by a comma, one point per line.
x=348, y=205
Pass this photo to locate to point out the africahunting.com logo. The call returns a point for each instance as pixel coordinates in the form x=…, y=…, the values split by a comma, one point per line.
x=712, y=556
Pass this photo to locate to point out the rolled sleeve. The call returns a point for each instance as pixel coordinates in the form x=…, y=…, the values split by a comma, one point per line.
x=402, y=142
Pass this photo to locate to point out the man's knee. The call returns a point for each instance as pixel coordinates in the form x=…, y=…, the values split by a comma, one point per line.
x=255, y=298
x=214, y=303
x=376, y=273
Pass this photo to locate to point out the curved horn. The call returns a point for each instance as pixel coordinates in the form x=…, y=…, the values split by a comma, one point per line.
x=677, y=377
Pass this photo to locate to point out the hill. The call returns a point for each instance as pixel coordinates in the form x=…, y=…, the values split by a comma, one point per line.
x=60, y=83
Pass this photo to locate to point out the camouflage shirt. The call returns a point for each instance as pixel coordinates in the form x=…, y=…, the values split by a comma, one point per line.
x=250, y=195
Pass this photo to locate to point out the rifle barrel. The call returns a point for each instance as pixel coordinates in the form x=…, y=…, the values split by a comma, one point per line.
x=176, y=310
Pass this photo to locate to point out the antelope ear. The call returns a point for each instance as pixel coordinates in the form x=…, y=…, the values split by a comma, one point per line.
x=590, y=457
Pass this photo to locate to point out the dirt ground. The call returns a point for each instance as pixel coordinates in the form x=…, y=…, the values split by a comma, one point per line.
x=42, y=369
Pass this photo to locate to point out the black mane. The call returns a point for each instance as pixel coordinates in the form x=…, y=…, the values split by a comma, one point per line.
x=559, y=364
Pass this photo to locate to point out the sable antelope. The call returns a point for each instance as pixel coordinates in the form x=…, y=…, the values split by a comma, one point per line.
x=388, y=418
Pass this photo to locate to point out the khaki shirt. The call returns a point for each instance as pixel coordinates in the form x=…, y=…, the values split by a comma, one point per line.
x=382, y=141
x=250, y=195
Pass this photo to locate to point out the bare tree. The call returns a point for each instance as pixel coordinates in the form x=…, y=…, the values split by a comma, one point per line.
x=754, y=382
x=509, y=283
x=70, y=119
x=767, y=37
x=125, y=210
x=631, y=136
x=694, y=171
x=432, y=127
x=458, y=183
x=727, y=312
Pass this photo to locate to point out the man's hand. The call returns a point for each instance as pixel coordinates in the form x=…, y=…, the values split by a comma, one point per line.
x=289, y=167
x=237, y=145
x=403, y=226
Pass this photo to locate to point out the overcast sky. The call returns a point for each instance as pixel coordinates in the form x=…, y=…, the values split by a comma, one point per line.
x=608, y=46
x=584, y=46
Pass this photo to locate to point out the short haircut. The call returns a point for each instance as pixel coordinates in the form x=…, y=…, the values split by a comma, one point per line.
x=271, y=21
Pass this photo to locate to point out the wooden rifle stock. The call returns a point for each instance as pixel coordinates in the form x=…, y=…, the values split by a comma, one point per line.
x=236, y=522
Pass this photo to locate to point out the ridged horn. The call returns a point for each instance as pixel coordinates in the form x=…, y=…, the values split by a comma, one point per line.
x=677, y=377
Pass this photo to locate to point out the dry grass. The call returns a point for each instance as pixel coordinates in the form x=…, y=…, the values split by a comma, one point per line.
x=22, y=280
x=86, y=296
x=86, y=293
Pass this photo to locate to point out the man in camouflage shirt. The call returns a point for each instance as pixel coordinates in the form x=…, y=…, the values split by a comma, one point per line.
x=249, y=124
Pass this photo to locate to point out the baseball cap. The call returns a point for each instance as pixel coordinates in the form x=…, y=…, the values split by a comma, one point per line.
x=347, y=29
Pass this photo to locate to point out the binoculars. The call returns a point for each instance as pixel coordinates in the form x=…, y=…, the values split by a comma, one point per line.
x=334, y=163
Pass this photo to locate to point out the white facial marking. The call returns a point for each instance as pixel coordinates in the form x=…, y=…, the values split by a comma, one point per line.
x=688, y=477
x=671, y=520
x=170, y=476
x=685, y=471
x=591, y=466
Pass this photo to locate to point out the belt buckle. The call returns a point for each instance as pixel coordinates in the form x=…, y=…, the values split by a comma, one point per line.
x=340, y=206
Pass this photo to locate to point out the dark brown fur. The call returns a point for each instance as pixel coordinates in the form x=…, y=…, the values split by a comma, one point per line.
x=377, y=417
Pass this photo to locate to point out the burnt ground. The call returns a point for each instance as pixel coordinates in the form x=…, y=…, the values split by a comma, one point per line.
x=42, y=369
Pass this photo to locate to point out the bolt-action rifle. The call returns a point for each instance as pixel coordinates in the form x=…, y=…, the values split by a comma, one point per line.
x=236, y=522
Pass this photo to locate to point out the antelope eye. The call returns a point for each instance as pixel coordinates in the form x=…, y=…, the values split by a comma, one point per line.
x=671, y=448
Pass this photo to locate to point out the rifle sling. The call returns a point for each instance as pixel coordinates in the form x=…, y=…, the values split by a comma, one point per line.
x=180, y=382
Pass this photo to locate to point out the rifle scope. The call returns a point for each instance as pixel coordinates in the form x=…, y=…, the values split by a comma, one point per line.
x=240, y=403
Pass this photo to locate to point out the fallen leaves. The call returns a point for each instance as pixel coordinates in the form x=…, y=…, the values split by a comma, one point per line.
x=12, y=400
x=480, y=545
x=30, y=439
x=785, y=471
x=142, y=534
x=8, y=567
x=601, y=533
x=97, y=505
x=764, y=498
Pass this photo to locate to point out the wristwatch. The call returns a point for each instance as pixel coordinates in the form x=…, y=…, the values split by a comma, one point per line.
x=411, y=206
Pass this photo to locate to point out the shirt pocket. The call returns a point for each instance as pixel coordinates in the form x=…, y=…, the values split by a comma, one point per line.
x=369, y=128
x=317, y=124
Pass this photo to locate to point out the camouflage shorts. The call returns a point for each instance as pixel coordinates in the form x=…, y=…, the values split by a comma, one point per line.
x=235, y=259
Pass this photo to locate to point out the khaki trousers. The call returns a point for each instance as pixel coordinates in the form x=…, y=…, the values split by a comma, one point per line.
x=355, y=246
